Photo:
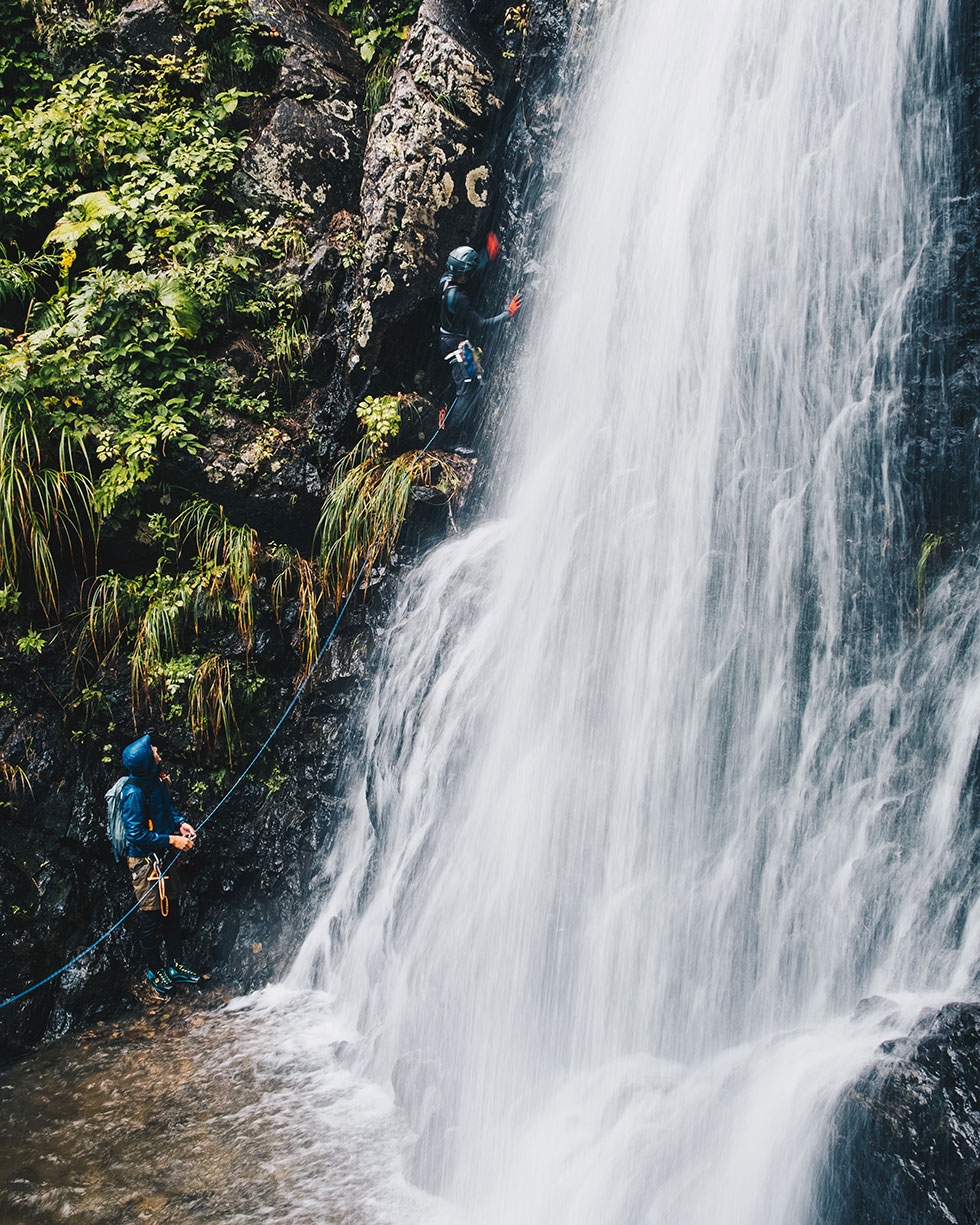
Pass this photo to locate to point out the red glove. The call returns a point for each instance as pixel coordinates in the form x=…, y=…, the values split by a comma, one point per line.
x=514, y=305
x=493, y=245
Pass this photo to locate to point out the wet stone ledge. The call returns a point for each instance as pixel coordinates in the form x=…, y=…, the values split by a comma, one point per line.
x=905, y=1146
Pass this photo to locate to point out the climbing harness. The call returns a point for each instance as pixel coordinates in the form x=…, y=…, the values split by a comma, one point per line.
x=244, y=774
x=470, y=360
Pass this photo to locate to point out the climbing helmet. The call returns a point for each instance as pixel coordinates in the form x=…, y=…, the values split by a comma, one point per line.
x=462, y=261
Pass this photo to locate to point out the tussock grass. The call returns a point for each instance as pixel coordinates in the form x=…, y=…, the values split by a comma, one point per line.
x=366, y=509
x=15, y=781
x=46, y=504
x=159, y=617
x=212, y=703
x=303, y=579
x=215, y=572
x=228, y=557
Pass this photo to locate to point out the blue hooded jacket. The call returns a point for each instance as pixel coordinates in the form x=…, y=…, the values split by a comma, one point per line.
x=145, y=799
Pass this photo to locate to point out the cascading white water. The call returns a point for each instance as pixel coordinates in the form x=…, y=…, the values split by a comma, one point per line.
x=658, y=782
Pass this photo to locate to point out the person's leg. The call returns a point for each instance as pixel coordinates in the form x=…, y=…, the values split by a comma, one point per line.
x=461, y=415
x=151, y=935
x=151, y=932
x=177, y=968
x=462, y=421
x=453, y=409
x=171, y=932
x=150, y=924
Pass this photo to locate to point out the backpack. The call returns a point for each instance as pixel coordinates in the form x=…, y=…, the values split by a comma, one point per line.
x=114, y=828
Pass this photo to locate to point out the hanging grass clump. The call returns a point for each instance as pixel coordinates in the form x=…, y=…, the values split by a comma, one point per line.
x=371, y=495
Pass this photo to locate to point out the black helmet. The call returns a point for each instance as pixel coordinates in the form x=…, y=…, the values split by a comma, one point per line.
x=463, y=261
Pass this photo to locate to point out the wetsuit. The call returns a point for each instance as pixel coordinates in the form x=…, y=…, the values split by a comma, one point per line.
x=459, y=321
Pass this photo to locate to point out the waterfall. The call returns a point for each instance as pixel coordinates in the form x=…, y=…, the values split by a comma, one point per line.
x=661, y=776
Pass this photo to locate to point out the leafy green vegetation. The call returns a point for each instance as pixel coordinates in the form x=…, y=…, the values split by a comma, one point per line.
x=128, y=265
x=381, y=417
x=233, y=46
x=378, y=29
x=128, y=268
x=377, y=26
x=32, y=643
x=25, y=72
x=129, y=273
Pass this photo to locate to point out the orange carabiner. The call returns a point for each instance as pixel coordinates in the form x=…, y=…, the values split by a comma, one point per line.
x=158, y=876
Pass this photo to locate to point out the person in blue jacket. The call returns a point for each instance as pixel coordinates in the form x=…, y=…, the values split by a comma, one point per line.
x=461, y=326
x=155, y=834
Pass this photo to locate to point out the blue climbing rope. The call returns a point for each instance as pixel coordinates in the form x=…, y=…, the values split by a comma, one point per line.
x=268, y=740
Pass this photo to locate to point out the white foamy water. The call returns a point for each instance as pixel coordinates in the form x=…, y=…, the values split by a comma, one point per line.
x=660, y=777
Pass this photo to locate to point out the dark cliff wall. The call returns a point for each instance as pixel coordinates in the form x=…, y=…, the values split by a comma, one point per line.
x=446, y=158
x=943, y=352
x=905, y=1143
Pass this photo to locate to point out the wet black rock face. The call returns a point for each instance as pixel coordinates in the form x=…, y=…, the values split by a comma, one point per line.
x=942, y=371
x=905, y=1148
x=307, y=158
x=247, y=888
x=465, y=131
x=150, y=28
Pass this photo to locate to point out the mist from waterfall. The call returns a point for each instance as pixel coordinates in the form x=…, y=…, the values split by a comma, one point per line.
x=661, y=775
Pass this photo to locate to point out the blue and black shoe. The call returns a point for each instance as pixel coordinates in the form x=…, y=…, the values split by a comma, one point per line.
x=179, y=973
x=160, y=981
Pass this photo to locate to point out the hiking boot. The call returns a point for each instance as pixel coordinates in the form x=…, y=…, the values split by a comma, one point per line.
x=160, y=981
x=179, y=973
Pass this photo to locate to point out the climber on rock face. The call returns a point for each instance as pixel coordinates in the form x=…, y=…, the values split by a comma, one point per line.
x=460, y=327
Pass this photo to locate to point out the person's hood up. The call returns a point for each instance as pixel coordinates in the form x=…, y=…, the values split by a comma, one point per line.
x=138, y=758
